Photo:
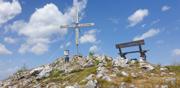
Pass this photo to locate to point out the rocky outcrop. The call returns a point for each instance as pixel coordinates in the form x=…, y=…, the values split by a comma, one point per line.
x=77, y=73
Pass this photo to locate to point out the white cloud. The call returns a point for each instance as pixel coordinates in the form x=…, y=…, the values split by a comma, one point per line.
x=4, y=50
x=150, y=33
x=39, y=48
x=165, y=8
x=93, y=48
x=43, y=24
x=176, y=52
x=137, y=17
x=88, y=37
x=9, y=40
x=8, y=10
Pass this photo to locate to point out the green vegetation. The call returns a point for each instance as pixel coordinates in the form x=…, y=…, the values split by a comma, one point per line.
x=174, y=68
x=79, y=76
x=22, y=69
x=91, y=54
x=106, y=84
x=127, y=79
x=55, y=73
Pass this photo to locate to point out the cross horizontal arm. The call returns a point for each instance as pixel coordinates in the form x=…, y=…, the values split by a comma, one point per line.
x=78, y=25
x=86, y=25
x=67, y=26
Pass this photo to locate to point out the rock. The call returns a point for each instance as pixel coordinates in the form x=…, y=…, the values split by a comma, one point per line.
x=142, y=60
x=101, y=71
x=173, y=74
x=108, y=58
x=121, y=62
x=99, y=75
x=70, y=87
x=123, y=85
x=52, y=85
x=90, y=77
x=37, y=85
x=156, y=86
x=45, y=72
x=107, y=78
x=88, y=64
x=113, y=75
x=163, y=69
x=134, y=75
x=36, y=71
x=91, y=84
x=124, y=74
x=164, y=86
x=101, y=64
x=115, y=70
x=76, y=85
x=163, y=74
x=146, y=66
x=133, y=61
x=132, y=86
x=171, y=81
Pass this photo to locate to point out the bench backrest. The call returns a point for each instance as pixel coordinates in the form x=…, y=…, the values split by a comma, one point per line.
x=129, y=44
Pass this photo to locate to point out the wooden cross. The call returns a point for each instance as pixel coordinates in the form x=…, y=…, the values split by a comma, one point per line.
x=76, y=25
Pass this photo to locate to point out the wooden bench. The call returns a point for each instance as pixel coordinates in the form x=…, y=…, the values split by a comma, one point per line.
x=138, y=43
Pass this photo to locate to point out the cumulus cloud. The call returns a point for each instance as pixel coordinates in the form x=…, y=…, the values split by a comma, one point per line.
x=8, y=10
x=9, y=40
x=93, y=48
x=4, y=50
x=88, y=37
x=165, y=8
x=137, y=17
x=39, y=48
x=150, y=33
x=176, y=52
x=43, y=24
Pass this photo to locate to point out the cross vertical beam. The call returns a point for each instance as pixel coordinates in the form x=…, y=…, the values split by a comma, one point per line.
x=76, y=25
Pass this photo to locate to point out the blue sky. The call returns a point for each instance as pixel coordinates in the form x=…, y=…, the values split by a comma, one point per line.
x=30, y=33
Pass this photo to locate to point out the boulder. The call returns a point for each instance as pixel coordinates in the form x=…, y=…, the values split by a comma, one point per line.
x=133, y=61
x=163, y=74
x=70, y=87
x=36, y=71
x=124, y=74
x=90, y=77
x=164, y=86
x=171, y=81
x=121, y=62
x=40, y=72
x=142, y=60
x=91, y=84
x=132, y=86
x=88, y=64
x=146, y=66
x=172, y=73
x=107, y=78
x=163, y=69
x=123, y=85
x=134, y=75
x=52, y=85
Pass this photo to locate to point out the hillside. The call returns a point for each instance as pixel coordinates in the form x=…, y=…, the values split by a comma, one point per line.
x=96, y=72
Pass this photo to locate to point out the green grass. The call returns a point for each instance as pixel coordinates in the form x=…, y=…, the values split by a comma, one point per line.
x=106, y=84
x=127, y=79
x=79, y=76
x=174, y=68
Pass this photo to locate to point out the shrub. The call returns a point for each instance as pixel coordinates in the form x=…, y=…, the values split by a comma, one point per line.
x=55, y=73
x=127, y=79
